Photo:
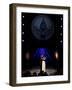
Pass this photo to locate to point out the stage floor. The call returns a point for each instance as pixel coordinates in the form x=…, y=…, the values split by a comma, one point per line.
x=49, y=71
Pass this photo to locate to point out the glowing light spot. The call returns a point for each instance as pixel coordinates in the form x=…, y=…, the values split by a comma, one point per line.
x=22, y=40
x=61, y=34
x=56, y=55
x=27, y=56
x=61, y=41
x=22, y=32
x=61, y=18
x=23, y=24
x=23, y=16
x=61, y=26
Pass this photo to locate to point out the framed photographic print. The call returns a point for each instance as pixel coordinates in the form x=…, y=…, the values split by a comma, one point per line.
x=39, y=44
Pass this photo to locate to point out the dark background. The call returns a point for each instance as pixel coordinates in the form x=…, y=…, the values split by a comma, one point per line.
x=31, y=44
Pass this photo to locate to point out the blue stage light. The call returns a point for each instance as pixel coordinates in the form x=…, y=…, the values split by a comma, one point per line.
x=42, y=51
